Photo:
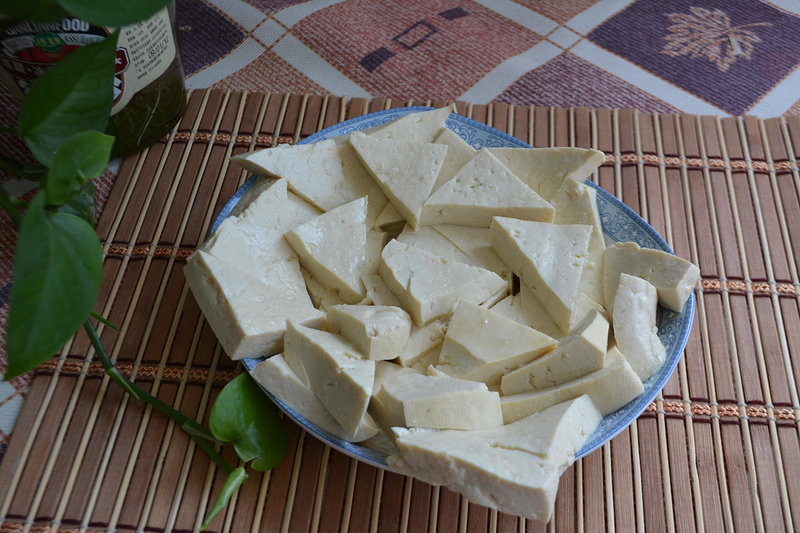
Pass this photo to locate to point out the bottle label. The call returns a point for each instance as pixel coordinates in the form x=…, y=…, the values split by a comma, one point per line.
x=144, y=51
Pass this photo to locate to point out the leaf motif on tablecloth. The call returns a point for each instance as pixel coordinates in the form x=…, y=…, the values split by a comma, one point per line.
x=708, y=33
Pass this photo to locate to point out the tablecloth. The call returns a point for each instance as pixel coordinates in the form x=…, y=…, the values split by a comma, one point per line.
x=677, y=56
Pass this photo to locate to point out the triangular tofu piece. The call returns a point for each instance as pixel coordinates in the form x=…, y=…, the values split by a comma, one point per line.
x=459, y=152
x=339, y=375
x=280, y=380
x=248, y=316
x=434, y=242
x=482, y=345
x=513, y=468
x=428, y=286
x=576, y=203
x=477, y=244
x=549, y=258
x=544, y=169
x=673, y=277
x=635, y=325
x=405, y=171
x=610, y=388
x=484, y=188
x=581, y=352
x=333, y=246
x=255, y=235
x=418, y=127
x=322, y=173
x=380, y=332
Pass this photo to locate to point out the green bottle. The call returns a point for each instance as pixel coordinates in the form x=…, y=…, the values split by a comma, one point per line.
x=149, y=90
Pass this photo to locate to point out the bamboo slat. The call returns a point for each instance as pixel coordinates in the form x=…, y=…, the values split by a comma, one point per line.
x=718, y=449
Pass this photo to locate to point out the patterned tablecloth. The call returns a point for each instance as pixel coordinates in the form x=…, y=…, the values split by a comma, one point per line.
x=709, y=57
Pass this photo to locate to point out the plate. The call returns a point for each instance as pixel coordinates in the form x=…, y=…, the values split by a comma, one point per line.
x=619, y=222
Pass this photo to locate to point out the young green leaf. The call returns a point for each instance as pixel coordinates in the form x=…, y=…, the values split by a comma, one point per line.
x=73, y=95
x=243, y=414
x=82, y=157
x=113, y=12
x=229, y=488
x=83, y=204
x=57, y=269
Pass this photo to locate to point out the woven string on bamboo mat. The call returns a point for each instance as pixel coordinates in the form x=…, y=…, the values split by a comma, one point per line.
x=718, y=449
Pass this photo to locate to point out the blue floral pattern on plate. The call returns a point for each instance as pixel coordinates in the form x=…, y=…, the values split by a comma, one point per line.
x=619, y=222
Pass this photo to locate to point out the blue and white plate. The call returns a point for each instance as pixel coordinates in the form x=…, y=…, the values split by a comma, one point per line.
x=620, y=223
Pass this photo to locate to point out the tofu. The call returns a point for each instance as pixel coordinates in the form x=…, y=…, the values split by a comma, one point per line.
x=511, y=307
x=459, y=152
x=477, y=244
x=377, y=291
x=484, y=188
x=280, y=380
x=423, y=343
x=548, y=258
x=333, y=246
x=536, y=316
x=635, y=325
x=609, y=388
x=482, y=346
x=415, y=400
x=405, y=171
x=389, y=217
x=673, y=277
x=379, y=332
x=248, y=316
x=576, y=203
x=514, y=468
x=322, y=173
x=376, y=240
x=545, y=169
x=579, y=353
x=420, y=126
x=337, y=373
x=428, y=286
x=255, y=235
x=432, y=241
x=322, y=297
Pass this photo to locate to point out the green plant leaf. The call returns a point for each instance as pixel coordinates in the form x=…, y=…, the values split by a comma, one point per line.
x=73, y=95
x=83, y=204
x=229, y=488
x=243, y=414
x=57, y=269
x=83, y=157
x=113, y=12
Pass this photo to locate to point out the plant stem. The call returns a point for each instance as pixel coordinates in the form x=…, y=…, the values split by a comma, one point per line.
x=201, y=435
x=8, y=206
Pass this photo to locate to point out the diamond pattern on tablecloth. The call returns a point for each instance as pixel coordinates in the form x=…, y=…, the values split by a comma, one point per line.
x=426, y=49
x=271, y=6
x=270, y=73
x=204, y=34
x=569, y=81
x=735, y=53
x=10, y=404
x=558, y=10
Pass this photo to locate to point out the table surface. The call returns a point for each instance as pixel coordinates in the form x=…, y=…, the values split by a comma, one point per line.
x=687, y=58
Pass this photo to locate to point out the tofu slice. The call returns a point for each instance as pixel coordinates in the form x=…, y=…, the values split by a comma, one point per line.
x=377, y=291
x=322, y=297
x=514, y=468
x=635, y=325
x=536, y=316
x=459, y=152
x=673, y=277
x=511, y=307
x=549, y=258
x=322, y=173
x=430, y=240
x=248, y=316
x=579, y=353
x=333, y=246
x=424, y=344
x=482, y=346
x=484, y=188
x=416, y=400
x=421, y=126
x=428, y=286
x=610, y=388
x=254, y=236
x=379, y=332
x=278, y=378
x=337, y=373
x=405, y=171
x=477, y=244
x=376, y=240
x=576, y=203
x=389, y=217
x=545, y=169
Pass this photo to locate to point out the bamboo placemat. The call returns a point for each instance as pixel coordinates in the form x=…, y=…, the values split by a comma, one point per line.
x=719, y=450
